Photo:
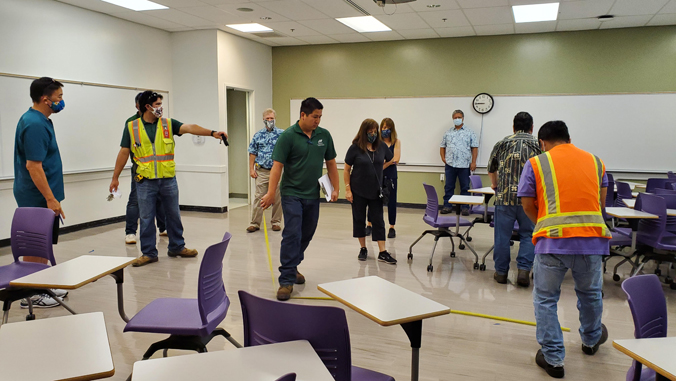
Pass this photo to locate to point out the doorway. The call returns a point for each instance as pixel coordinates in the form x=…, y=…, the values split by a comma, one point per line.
x=238, y=156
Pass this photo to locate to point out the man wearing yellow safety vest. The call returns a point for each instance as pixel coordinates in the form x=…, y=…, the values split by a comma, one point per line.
x=151, y=139
x=563, y=191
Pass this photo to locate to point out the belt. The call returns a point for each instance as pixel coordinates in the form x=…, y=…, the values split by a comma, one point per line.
x=267, y=169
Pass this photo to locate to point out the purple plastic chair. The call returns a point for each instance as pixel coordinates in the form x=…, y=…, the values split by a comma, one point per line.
x=475, y=182
x=191, y=323
x=649, y=310
x=623, y=192
x=269, y=321
x=671, y=175
x=670, y=201
x=659, y=191
x=31, y=235
x=515, y=237
x=654, y=183
x=442, y=224
x=287, y=377
x=657, y=244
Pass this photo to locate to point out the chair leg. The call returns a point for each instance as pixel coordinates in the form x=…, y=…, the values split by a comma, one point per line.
x=6, y=305
x=224, y=333
x=410, y=249
x=190, y=343
x=436, y=239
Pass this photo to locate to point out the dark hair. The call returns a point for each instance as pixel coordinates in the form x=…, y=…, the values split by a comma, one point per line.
x=390, y=124
x=44, y=86
x=138, y=97
x=148, y=97
x=309, y=105
x=554, y=131
x=361, y=140
x=523, y=122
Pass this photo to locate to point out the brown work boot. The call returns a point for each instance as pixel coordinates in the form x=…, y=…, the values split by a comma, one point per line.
x=276, y=228
x=523, y=279
x=185, y=253
x=144, y=260
x=300, y=279
x=284, y=292
x=500, y=278
x=252, y=228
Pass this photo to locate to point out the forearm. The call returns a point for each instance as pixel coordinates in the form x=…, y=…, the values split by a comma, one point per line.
x=475, y=153
x=346, y=176
x=529, y=208
x=332, y=169
x=442, y=152
x=604, y=193
x=494, y=178
x=275, y=175
x=39, y=178
x=252, y=160
x=195, y=130
x=120, y=162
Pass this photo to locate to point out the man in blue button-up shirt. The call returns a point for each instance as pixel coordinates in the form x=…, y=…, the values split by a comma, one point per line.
x=260, y=163
x=459, y=149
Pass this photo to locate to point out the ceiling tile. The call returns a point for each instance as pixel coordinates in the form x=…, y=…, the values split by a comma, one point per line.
x=383, y=36
x=399, y=21
x=179, y=17
x=221, y=2
x=286, y=26
x=626, y=22
x=578, y=24
x=145, y=19
x=294, y=10
x=460, y=31
x=315, y=40
x=665, y=19
x=212, y=14
x=482, y=3
x=326, y=26
x=669, y=8
x=349, y=37
x=535, y=27
x=286, y=41
x=371, y=7
x=636, y=7
x=180, y=3
x=444, y=5
x=253, y=16
x=487, y=30
x=490, y=16
x=583, y=9
x=453, y=19
x=333, y=8
x=411, y=34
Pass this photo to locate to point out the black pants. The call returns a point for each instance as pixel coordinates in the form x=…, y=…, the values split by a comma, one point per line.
x=375, y=215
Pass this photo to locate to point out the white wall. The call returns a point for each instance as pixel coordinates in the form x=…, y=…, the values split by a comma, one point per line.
x=48, y=38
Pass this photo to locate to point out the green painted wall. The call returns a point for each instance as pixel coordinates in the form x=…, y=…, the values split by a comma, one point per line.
x=631, y=60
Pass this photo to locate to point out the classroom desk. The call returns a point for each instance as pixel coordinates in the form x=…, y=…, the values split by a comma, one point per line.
x=387, y=304
x=632, y=184
x=76, y=273
x=257, y=363
x=656, y=353
x=632, y=203
x=488, y=192
x=61, y=348
x=633, y=217
x=465, y=200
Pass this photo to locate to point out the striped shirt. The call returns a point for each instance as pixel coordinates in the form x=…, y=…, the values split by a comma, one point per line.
x=507, y=159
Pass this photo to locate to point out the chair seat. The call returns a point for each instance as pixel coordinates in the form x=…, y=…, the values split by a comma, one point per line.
x=17, y=270
x=361, y=374
x=172, y=316
x=621, y=237
x=622, y=231
x=446, y=222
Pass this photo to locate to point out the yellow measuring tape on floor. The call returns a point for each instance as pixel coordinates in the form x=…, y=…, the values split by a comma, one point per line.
x=274, y=285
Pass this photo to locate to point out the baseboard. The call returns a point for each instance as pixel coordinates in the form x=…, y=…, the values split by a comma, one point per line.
x=205, y=209
x=238, y=195
x=78, y=227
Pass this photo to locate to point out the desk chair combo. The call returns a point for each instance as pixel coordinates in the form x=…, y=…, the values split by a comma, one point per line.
x=485, y=210
x=442, y=225
x=655, y=242
x=621, y=236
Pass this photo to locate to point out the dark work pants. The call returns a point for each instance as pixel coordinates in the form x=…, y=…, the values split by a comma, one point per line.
x=375, y=215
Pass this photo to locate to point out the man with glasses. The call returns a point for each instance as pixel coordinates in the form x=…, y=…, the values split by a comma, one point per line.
x=151, y=139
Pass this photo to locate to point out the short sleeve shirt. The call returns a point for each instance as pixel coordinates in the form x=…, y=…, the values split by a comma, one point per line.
x=35, y=140
x=262, y=144
x=151, y=130
x=367, y=169
x=303, y=160
x=507, y=159
x=576, y=245
x=459, y=143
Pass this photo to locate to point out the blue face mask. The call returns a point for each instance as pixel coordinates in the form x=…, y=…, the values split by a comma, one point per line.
x=58, y=106
x=386, y=134
x=457, y=121
x=371, y=137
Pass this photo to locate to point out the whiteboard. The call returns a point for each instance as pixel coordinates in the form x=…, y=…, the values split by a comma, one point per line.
x=629, y=132
x=88, y=130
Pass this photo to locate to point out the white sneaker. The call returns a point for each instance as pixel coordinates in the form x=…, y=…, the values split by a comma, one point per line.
x=40, y=301
x=130, y=239
x=60, y=293
x=164, y=234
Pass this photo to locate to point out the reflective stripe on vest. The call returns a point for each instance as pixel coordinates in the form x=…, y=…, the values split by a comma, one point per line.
x=154, y=160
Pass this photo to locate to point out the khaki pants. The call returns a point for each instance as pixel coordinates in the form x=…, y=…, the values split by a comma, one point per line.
x=262, y=182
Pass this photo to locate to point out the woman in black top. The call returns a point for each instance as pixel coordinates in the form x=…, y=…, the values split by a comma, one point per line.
x=363, y=173
x=389, y=136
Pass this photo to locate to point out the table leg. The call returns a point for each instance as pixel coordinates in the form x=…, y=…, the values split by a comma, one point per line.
x=414, y=332
x=119, y=280
x=61, y=302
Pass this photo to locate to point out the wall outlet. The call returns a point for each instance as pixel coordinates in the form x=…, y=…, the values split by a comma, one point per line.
x=442, y=177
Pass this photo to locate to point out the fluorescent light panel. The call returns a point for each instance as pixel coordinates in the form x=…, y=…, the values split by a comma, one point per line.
x=137, y=5
x=365, y=24
x=535, y=12
x=250, y=28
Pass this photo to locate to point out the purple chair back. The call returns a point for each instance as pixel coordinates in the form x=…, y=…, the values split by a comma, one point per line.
x=623, y=192
x=211, y=297
x=475, y=182
x=670, y=201
x=610, y=196
x=650, y=231
x=654, y=183
x=432, y=209
x=673, y=186
x=287, y=377
x=269, y=321
x=671, y=175
x=660, y=192
x=31, y=233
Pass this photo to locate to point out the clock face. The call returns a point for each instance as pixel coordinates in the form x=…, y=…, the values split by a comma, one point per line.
x=483, y=103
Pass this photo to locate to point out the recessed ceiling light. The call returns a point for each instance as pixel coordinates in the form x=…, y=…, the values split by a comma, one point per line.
x=245, y=9
x=605, y=17
x=137, y=5
x=433, y=5
x=535, y=12
x=364, y=24
x=250, y=28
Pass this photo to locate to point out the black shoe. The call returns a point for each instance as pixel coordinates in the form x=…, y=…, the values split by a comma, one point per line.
x=384, y=256
x=465, y=212
x=363, y=253
x=523, y=279
x=500, y=278
x=368, y=230
x=446, y=210
x=391, y=233
x=604, y=337
x=552, y=371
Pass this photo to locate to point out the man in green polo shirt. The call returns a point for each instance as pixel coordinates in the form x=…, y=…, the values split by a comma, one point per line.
x=300, y=151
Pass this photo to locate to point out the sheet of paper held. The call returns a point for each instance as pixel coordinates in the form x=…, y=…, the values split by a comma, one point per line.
x=325, y=185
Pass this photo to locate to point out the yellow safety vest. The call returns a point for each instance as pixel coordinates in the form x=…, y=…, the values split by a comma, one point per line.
x=154, y=160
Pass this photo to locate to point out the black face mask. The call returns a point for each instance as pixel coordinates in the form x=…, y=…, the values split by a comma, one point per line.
x=371, y=137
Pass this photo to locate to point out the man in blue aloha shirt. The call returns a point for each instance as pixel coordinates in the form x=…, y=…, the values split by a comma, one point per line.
x=260, y=163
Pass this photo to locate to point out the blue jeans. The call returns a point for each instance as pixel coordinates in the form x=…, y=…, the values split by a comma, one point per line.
x=452, y=174
x=133, y=213
x=149, y=192
x=548, y=274
x=300, y=222
x=505, y=215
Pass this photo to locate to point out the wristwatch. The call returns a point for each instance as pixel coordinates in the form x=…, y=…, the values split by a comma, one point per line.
x=212, y=133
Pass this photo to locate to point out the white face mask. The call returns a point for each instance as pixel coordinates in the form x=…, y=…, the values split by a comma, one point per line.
x=269, y=124
x=457, y=121
x=157, y=111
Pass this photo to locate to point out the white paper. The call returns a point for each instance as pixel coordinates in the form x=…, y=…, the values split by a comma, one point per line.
x=326, y=186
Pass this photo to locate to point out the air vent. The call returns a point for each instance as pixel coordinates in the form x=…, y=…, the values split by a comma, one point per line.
x=357, y=7
x=268, y=35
